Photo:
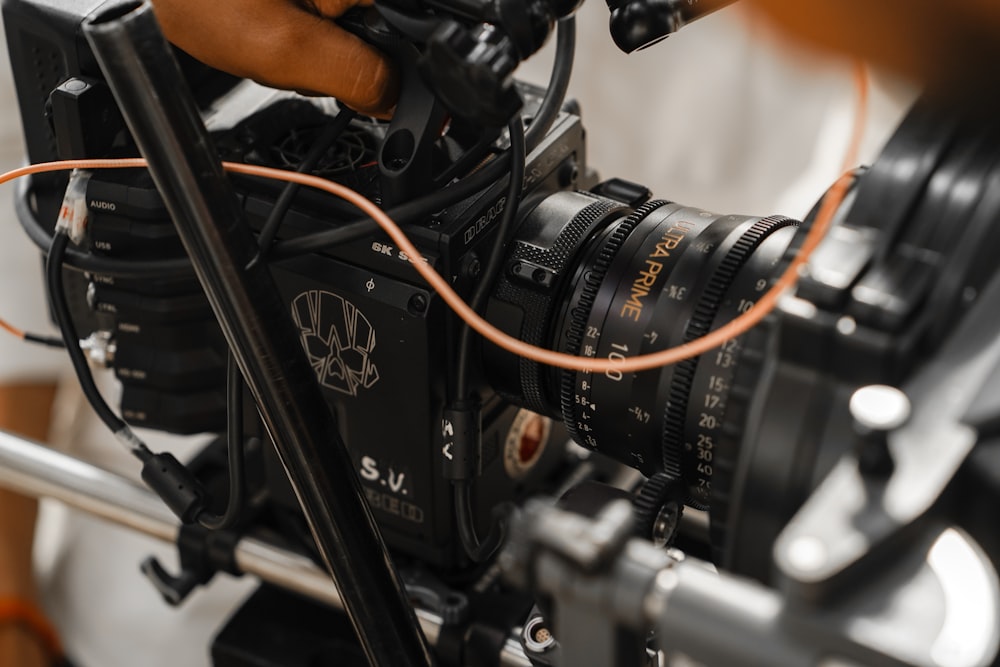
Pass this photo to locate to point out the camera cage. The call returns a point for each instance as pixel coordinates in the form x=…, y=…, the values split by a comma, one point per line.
x=887, y=301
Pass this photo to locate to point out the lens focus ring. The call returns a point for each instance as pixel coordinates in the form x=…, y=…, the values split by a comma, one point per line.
x=675, y=421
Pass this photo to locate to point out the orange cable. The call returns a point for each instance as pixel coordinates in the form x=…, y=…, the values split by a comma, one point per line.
x=732, y=329
x=29, y=616
x=11, y=329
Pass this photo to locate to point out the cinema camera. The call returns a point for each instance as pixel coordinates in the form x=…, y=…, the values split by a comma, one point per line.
x=838, y=462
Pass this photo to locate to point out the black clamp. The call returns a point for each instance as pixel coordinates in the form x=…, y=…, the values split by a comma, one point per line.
x=202, y=553
x=451, y=605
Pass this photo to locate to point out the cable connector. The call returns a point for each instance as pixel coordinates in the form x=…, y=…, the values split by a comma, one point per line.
x=175, y=485
x=100, y=348
x=73, y=214
x=461, y=441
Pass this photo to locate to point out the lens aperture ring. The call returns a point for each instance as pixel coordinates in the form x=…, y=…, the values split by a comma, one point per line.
x=644, y=305
x=579, y=311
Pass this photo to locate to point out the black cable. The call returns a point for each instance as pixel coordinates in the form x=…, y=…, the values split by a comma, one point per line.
x=418, y=209
x=50, y=341
x=235, y=454
x=476, y=550
x=57, y=296
x=465, y=521
x=322, y=143
x=521, y=143
x=492, y=267
x=467, y=160
x=555, y=94
x=167, y=476
x=320, y=241
x=82, y=261
x=404, y=214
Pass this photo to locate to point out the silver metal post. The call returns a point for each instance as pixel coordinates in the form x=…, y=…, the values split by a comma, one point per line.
x=36, y=470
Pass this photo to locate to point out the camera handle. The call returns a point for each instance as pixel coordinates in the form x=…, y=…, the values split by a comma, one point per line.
x=404, y=158
x=470, y=67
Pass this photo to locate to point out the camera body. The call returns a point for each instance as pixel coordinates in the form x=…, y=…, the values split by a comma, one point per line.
x=381, y=343
x=765, y=432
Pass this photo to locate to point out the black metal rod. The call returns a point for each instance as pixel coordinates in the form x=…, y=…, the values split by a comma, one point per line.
x=160, y=112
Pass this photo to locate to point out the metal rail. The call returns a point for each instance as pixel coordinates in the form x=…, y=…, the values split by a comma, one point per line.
x=35, y=470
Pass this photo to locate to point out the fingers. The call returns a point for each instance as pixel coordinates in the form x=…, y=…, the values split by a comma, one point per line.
x=335, y=8
x=282, y=43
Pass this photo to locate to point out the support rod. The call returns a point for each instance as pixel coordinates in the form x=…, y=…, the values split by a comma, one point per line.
x=161, y=114
x=38, y=471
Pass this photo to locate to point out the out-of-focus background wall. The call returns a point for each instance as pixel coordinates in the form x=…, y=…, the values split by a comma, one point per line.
x=721, y=115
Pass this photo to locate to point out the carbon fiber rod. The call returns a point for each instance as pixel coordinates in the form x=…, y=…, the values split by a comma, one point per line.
x=160, y=112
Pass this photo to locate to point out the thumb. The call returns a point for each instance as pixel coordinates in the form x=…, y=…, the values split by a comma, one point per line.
x=283, y=44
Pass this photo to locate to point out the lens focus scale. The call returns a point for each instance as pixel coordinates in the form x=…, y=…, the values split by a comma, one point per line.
x=641, y=286
x=692, y=419
x=671, y=313
x=577, y=409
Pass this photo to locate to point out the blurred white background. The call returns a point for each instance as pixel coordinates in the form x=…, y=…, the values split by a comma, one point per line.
x=722, y=115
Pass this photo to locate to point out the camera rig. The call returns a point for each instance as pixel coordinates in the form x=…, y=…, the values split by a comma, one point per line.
x=837, y=461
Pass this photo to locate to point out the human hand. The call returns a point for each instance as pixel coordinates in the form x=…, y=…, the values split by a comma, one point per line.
x=291, y=44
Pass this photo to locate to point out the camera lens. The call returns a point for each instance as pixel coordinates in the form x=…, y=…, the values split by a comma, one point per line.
x=591, y=277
